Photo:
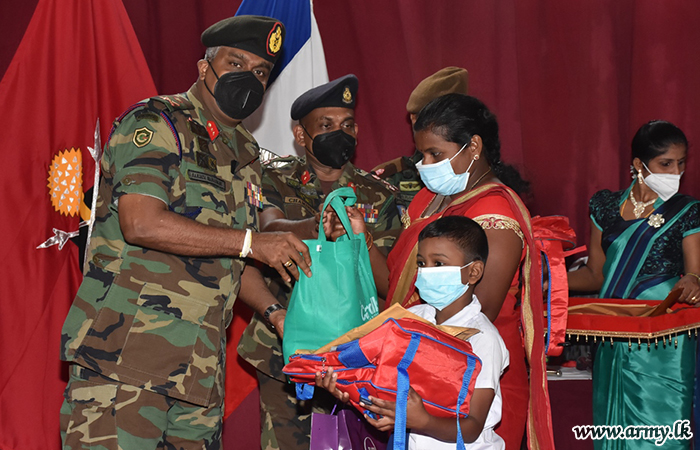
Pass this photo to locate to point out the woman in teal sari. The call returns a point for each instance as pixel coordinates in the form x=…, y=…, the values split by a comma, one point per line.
x=645, y=241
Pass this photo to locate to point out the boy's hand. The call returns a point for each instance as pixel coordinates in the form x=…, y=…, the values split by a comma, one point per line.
x=327, y=382
x=384, y=409
x=416, y=415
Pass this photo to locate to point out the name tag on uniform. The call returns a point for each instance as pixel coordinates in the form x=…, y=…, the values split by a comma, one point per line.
x=370, y=214
x=207, y=178
x=293, y=200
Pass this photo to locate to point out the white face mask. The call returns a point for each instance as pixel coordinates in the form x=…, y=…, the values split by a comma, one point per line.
x=440, y=286
x=441, y=178
x=664, y=184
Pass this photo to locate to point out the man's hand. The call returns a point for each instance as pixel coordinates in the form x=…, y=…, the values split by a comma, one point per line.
x=277, y=321
x=334, y=228
x=282, y=251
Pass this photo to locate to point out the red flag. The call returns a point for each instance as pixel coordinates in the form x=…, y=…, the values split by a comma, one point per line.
x=78, y=62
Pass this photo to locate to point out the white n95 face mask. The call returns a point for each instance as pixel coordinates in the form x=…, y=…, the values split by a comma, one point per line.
x=664, y=184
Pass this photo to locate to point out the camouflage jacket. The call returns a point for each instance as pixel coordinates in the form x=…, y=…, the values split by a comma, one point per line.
x=291, y=186
x=149, y=318
x=402, y=173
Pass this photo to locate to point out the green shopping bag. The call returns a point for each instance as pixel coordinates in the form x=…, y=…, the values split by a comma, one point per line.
x=340, y=294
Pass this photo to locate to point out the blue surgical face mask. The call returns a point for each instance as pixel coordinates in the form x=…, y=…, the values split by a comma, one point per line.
x=440, y=286
x=441, y=178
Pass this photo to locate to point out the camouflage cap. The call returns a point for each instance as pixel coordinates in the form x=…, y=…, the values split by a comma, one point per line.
x=259, y=35
x=340, y=92
x=450, y=80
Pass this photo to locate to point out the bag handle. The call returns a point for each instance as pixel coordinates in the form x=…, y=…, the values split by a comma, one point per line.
x=402, y=385
x=338, y=199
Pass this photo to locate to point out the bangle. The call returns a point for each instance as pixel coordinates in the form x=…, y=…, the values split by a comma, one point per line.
x=694, y=275
x=270, y=309
x=369, y=240
x=247, y=244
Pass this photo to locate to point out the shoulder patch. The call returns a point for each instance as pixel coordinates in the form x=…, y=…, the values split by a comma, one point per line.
x=177, y=101
x=145, y=114
x=374, y=178
x=142, y=136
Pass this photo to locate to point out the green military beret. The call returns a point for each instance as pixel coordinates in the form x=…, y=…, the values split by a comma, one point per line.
x=259, y=35
x=340, y=92
x=450, y=80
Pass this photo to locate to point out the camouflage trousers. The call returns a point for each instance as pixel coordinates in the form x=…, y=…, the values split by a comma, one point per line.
x=100, y=413
x=285, y=421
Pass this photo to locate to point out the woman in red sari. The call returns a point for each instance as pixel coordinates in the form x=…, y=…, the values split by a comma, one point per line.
x=463, y=174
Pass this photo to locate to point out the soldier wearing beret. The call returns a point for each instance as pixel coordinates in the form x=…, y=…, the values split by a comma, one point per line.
x=401, y=172
x=295, y=188
x=177, y=222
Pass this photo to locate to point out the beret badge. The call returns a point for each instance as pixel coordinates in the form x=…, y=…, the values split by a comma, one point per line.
x=274, y=39
x=347, y=95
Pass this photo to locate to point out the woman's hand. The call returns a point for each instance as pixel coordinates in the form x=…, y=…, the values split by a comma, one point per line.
x=327, y=382
x=691, y=289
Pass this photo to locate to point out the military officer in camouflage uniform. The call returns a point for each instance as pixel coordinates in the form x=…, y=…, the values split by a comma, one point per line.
x=177, y=216
x=295, y=188
x=401, y=172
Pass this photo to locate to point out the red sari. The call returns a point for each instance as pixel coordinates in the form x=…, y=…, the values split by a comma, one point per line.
x=494, y=206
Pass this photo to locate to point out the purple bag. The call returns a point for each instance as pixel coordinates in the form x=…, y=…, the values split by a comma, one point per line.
x=347, y=430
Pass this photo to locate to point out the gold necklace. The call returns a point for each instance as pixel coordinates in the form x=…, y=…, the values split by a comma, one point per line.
x=481, y=178
x=638, y=206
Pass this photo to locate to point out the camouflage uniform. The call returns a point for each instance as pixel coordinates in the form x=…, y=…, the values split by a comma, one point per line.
x=291, y=186
x=150, y=320
x=402, y=173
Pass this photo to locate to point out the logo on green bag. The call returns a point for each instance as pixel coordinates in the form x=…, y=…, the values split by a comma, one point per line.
x=370, y=310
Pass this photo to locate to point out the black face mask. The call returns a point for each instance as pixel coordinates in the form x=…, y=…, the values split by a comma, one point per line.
x=333, y=149
x=238, y=94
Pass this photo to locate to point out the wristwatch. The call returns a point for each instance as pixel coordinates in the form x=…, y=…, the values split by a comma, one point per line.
x=270, y=309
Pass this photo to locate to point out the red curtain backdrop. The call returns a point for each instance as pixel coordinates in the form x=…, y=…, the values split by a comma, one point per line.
x=79, y=61
x=570, y=82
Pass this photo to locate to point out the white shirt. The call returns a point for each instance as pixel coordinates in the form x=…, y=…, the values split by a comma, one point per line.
x=489, y=347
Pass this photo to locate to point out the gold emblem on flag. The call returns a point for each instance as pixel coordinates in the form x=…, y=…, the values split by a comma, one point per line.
x=142, y=137
x=274, y=41
x=347, y=95
x=65, y=181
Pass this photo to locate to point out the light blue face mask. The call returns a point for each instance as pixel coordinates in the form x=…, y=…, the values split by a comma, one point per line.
x=441, y=178
x=440, y=286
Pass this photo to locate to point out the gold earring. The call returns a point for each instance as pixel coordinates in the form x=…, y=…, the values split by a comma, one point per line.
x=640, y=177
x=476, y=157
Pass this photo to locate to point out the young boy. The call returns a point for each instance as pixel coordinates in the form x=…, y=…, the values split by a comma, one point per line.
x=452, y=252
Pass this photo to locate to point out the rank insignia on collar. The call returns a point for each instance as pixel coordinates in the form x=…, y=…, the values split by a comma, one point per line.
x=213, y=130
x=142, y=136
x=253, y=195
x=305, y=177
x=371, y=215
